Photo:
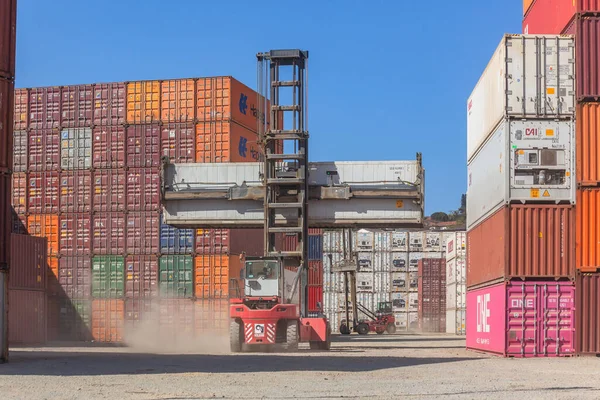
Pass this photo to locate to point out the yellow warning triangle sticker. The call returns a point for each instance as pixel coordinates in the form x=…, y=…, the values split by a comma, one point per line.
x=546, y=193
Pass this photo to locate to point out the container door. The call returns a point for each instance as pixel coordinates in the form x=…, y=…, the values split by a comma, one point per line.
x=557, y=319
x=522, y=309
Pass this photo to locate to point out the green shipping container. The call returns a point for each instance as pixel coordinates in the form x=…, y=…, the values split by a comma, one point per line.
x=108, y=277
x=176, y=276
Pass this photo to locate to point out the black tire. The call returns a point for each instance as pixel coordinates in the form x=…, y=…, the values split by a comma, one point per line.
x=291, y=336
x=315, y=345
x=326, y=345
x=362, y=329
x=391, y=329
x=344, y=330
x=235, y=336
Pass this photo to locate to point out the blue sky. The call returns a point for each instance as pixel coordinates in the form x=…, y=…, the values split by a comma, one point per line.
x=386, y=79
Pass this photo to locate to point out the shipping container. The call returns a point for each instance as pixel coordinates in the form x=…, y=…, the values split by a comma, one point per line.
x=27, y=317
x=75, y=234
x=226, y=141
x=364, y=240
x=456, y=270
x=21, y=112
x=536, y=75
x=177, y=100
x=176, y=241
x=587, y=42
x=523, y=161
x=332, y=282
x=52, y=286
x=588, y=236
x=178, y=141
x=382, y=241
x=44, y=150
x=69, y=319
x=522, y=241
x=382, y=261
x=587, y=338
x=551, y=17
x=175, y=319
x=19, y=192
x=456, y=322
x=28, y=265
x=212, y=275
x=432, y=295
x=75, y=192
x=526, y=6
x=20, y=147
x=143, y=145
x=399, y=281
x=108, y=147
x=432, y=242
x=108, y=318
x=43, y=193
x=176, y=276
x=109, y=104
x=532, y=319
x=315, y=247
x=456, y=245
x=400, y=261
x=75, y=276
x=76, y=148
x=7, y=91
x=399, y=241
x=8, y=35
x=44, y=108
x=143, y=233
x=108, y=277
x=140, y=313
x=109, y=190
x=365, y=282
x=45, y=225
x=456, y=296
x=416, y=241
x=143, y=102
x=588, y=144
x=210, y=317
x=413, y=302
x=109, y=233
x=143, y=189
x=315, y=285
x=334, y=241
x=77, y=106
x=141, y=276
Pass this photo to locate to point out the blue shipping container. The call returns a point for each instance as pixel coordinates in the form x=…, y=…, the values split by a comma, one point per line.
x=176, y=241
x=315, y=247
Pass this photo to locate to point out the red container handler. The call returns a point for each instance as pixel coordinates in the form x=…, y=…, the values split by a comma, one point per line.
x=109, y=104
x=587, y=56
x=75, y=276
x=109, y=190
x=28, y=266
x=75, y=234
x=109, y=230
x=143, y=145
x=76, y=191
x=588, y=314
x=44, y=150
x=143, y=231
x=108, y=147
x=141, y=277
x=143, y=189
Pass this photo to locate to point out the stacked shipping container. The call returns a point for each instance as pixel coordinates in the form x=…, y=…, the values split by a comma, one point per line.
x=456, y=283
x=432, y=295
x=581, y=18
x=521, y=191
x=87, y=178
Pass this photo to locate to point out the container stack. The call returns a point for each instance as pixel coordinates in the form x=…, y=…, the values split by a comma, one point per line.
x=581, y=18
x=432, y=295
x=456, y=283
x=521, y=192
x=87, y=177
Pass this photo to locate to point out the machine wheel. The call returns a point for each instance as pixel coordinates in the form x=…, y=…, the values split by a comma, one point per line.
x=379, y=332
x=391, y=329
x=291, y=337
x=235, y=336
x=344, y=330
x=362, y=329
x=326, y=345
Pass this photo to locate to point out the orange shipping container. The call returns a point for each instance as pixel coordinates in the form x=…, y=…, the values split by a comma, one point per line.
x=213, y=273
x=45, y=225
x=526, y=6
x=522, y=241
x=225, y=141
x=143, y=102
x=108, y=318
x=177, y=100
x=588, y=229
x=588, y=143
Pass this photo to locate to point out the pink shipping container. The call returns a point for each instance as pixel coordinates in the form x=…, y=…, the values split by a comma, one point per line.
x=44, y=107
x=141, y=277
x=109, y=104
x=587, y=46
x=76, y=191
x=178, y=142
x=28, y=264
x=75, y=234
x=21, y=113
x=75, y=276
x=531, y=319
x=109, y=233
x=143, y=145
x=109, y=190
x=20, y=156
x=27, y=317
x=43, y=192
x=77, y=106
x=8, y=35
x=142, y=233
x=44, y=150
x=108, y=147
x=143, y=189
x=19, y=193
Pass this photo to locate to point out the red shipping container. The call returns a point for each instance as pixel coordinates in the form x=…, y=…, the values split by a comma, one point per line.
x=75, y=276
x=143, y=232
x=8, y=35
x=75, y=233
x=109, y=233
x=44, y=150
x=6, y=223
x=315, y=285
x=109, y=104
x=52, y=286
x=549, y=17
x=19, y=193
x=28, y=264
x=19, y=223
x=143, y=145
x=77, y=106
x=587, y=46
x=27, y=319
x=108, y=317
x=522, y=241
x=21, y=113
x=139, y=311
x=212, y=241
x=44, y=107
x=143, y=189
x=7, y=90
x=109, y=190
x=43, y=192
x=230, y=241
x=588, y=314
x=108, y=144
x=175, y=318
x=178, y=141
x=20, y=156
x=76, y=191
x=141, y=279
x=432, y=294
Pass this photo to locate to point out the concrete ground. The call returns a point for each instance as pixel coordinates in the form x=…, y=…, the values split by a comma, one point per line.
x=372, y=367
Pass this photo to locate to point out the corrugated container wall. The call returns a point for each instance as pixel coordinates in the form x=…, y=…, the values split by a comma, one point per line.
x=588, y=144
x=27, y=319
x=8, y=37
x=7, y=89
x=432, y=295
x=588, y=236
x=514, y=71
x=588, y=314
x=522, y=241
x=551, y=17
x=29, y=266
x=587, y=42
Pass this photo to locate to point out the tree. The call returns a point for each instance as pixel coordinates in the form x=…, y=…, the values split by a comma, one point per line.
x=440, y=217
x=463, y=205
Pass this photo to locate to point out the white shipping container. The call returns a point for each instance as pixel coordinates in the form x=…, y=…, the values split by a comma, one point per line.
x=528, y=77
x=333, y=241
x=413, y=261
x=333, y=282
x=76, y=148
x=416, y=240
x=433, y=242
x=399, y=262
x=456, y=296
x=383, y=282
x=363, y=240
x=456, y=321
x=382, y=261
x=399, y=282
x=413, y=301
x=399, y=241
x=331, y=300
x=413, y=281
x=413, y=321
x=365, y=282
x=365, y=261
x=530, y=160
x=456, y=245
x=401, y=319
x=382, y=241
x=400, y=301
x=456, y=271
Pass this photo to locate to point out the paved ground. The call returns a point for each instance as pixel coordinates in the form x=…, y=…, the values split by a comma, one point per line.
x=373, y=367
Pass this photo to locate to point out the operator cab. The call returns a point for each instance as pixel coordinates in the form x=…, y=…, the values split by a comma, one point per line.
x=261, y=277
x=384, y=308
